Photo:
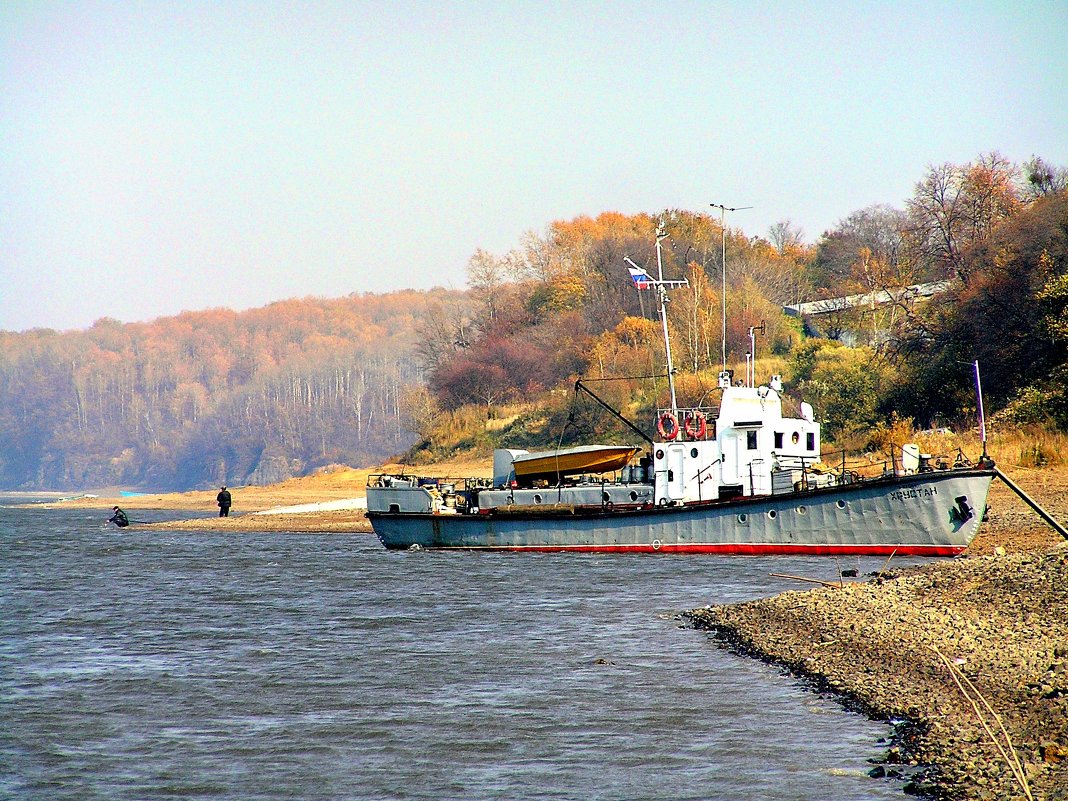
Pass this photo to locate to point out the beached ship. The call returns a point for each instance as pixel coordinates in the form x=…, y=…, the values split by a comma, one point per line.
x=745, y=480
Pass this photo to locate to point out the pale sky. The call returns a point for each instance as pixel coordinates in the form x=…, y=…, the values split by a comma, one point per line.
x=157, y=157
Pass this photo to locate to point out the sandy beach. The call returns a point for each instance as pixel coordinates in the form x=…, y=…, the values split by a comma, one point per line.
x=268, y=508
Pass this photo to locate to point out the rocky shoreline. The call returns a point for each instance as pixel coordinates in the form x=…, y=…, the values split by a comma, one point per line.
x=892, y=644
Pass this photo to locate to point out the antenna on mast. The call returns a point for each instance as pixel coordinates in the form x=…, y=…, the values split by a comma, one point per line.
x=723, y=272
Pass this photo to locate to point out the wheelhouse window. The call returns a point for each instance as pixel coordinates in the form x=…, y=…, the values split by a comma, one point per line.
x=751, y=440
x=810, y=441
x=778, y=439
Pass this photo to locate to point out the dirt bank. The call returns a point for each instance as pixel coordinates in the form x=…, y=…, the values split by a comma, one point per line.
x=999, y=616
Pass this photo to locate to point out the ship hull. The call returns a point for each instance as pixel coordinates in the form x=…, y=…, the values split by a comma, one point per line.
x=929, y=514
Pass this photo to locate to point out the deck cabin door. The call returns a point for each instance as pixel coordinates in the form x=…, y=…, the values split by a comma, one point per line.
x=730, y=456
x=676, y=459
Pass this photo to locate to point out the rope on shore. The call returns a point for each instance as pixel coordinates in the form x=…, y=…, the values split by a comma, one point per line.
x=891, y=556
x=836, y=584
x=971, y=694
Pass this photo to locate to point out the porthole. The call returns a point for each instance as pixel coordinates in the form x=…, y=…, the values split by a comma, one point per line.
x=659, y=453
x=795, y=438
x=633, y=495
x=693, y=453
x=772, y=514
x=537, y=498
x=802, y=510
x=840, y=504
x=606, y=497
x=743, y=518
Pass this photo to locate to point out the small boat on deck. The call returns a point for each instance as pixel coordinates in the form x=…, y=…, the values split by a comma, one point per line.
x=553, y=466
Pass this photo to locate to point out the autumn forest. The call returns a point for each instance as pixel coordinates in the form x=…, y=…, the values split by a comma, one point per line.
x=219, y=396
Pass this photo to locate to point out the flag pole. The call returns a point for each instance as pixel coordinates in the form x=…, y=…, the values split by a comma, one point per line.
x=982, y=417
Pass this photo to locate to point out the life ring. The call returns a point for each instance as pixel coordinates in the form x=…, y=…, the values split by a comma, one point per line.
x=696, y=426
x=668, y=426
x=656, y=545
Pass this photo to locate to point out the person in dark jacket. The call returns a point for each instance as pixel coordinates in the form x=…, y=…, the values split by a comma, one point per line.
x=224, y=502
x=119, y=518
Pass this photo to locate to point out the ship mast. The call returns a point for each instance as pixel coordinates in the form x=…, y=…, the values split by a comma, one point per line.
x=662, y=287
x=662, y=301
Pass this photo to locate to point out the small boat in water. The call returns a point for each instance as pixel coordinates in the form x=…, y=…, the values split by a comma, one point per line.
x=746, y=479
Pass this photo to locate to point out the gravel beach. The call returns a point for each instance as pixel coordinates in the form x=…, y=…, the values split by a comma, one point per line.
x=891, y=644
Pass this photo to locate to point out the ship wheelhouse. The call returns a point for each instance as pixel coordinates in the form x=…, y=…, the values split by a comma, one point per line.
x=753, y=450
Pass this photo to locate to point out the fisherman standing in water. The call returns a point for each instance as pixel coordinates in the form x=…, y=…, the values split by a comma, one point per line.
x=119, y=518
x=224, y=502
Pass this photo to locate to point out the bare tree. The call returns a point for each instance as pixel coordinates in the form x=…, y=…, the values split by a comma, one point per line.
x=990, y=196
x=955, y=206
x=873, y=233
x=785, y=236
x=487, y=275
x=1044, y=178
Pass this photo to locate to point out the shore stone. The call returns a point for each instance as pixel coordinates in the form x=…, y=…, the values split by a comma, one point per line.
x=897, y=646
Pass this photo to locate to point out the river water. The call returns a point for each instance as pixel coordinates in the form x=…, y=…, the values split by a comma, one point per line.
x=162, y=665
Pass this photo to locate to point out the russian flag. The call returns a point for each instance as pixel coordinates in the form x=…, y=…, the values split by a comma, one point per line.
x=641, y=278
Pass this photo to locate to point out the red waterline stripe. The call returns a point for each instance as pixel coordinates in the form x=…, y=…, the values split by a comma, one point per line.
x=735, y=549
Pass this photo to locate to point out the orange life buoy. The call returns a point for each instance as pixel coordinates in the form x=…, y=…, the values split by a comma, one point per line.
x=696, y=426
x=668, y=426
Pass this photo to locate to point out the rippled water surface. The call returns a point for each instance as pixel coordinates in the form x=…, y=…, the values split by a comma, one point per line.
x=151, y=665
